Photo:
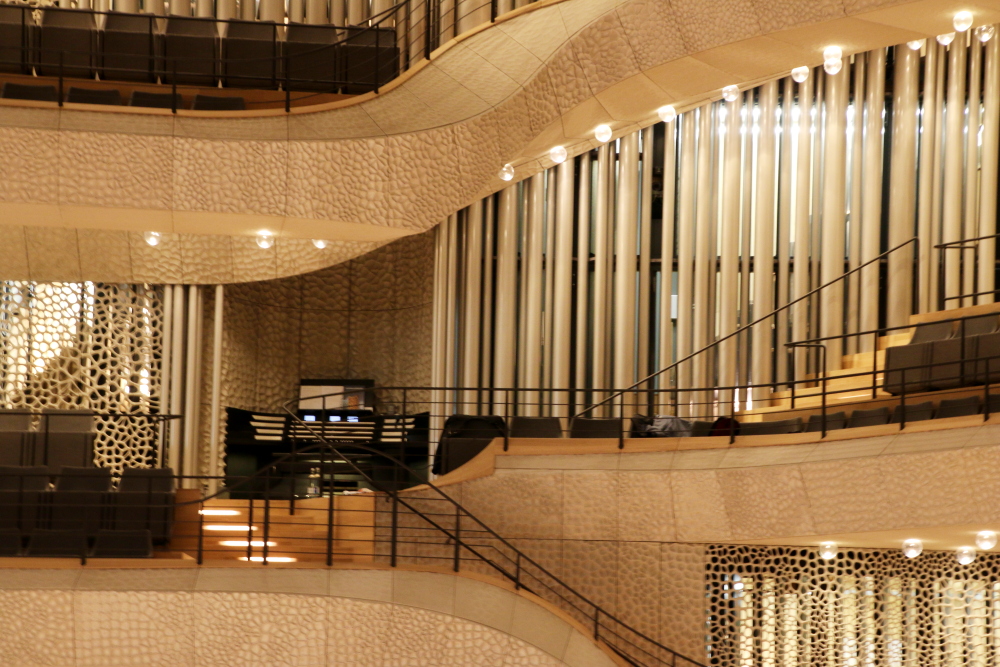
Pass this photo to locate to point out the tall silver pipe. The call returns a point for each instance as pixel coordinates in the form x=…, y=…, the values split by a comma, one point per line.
x=440, y=324
x=951, y=205
x=486, y=347
x=705, y=252
x=763, y=255
x=685, y=256
x=626, y=218
x=215, y=423
x=534, y=241
x=925, y=183
x=856, y=133
x=177, y=388
x=582, y=280
x=971, y=197
x=166, y=373
x=562, y=325
x=834, y=203
x=784, y=227
x=548, y=309
x=988, y=171
x=599, y=366
x=472, y=277
x=800, y=222
x=666, y=355
x=729, y=218
x=505, y=346
x=645, y=239
x=871, y=196
x=902, y=183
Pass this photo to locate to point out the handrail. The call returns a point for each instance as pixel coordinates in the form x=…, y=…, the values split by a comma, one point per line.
x=915, y=241
x=521, y=558
x=960, y=244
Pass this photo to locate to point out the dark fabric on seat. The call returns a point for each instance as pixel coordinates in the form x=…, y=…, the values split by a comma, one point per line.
x=929, y=332
x=21, y=91
x=68, y=421
x=17, y=36
x=16, y=438
x=948, y=368
x=917, y=412
x=907, y=363
x=145, y=501
x=143, y=480
x=994, y=403
x=88, y=511
x=772, y=427
x=216, y=103
x=987, y=354
x=464, y=436
x=67, y=439
x=725, y=426
x=700, y=429
x=24, y=478
x=979, y=325
x=110, y=97
x=129, y=47
x=250, y=53
x=312, y=58
x=369, y=58
x=122, y=544
x=191, y=49
x=535, y=427
x=834, y=422
x=958, y=407
x=584, y=427
x=872, y=417
x=83, y=479
x=21, y=491
x=11, y=543
x=72, y=32
x=64, y=543
x=139, y=98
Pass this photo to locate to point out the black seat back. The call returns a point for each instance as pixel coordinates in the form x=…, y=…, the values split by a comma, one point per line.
x=872, y=417
x=110, y=97
x=369, y=58
x=122, y=544
x=250, y=55
x=58, y=543
x=834, y=421
x=587, y=427
x=140, y=98
x=142, y=480
x=929, y=332
x=906, y=368
x=218, y=103
x=958, y=407
x=17, y=37
x=24, y=478
x=83, y=479
x=69, y=34
x=914, y=412
x=772, y=427
x=191, y=49
x=129, y=47
x=701, y=429
x=535, y=427
x=23, y=91
x=313, y=58
x=16, y=438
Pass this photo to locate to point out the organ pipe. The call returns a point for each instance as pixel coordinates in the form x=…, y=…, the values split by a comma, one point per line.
x=989, y=172
x=472, y=276
x=644, y=249
x=506, y=289
x=685, y=255
x=601, y=254
x=704, y=258
x=667, y=255
x=871, y=195
x=902, y=183
x=730, y=243
x=971, y=213
x=784, y=226
x=763, y=294
x=857, y=126
x=833, y=207
x=534, y=238
x=562, y=296
x=582, y=279
x=951, y=207
x=626, y=215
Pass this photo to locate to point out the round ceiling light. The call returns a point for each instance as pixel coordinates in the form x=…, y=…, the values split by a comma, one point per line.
x=667, y=113
x=265, y=240
x=986, y=539
x=965, y=555
x=800, y=74
x=507, y=172
x=962, y=21
x=832, y=65
x=603, y=133
x=731, y=93
x=946, y=39
x=984, y=33
x=558, y=154
x=912, y=548
x=827, y=550
x=152, y=238
x=916, y=44
x=833, y=53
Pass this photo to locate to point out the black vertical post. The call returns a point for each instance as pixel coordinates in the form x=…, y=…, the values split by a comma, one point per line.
x=173, y=89
x=267, y=510
x=201, y=533
x=394, y=529
x=506, y=419
x=493, y=11
x=986, y=392
x=250, y=528
x=458, y=538
x=517, y=572
x=902, y=403
x=875, y=364
x=597, y=622
x=61, y=78
x=621, y=422
x=378, y=71
x=330, y=507
x=427, y=29
x=288, y=102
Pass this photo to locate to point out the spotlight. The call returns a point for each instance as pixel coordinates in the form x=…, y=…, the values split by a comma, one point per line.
x=603, y=133
x=833, y=53
x=827, y=550
x=912, y=548
x=946, y=39
x=916, y=44
x=558, y=154
x=832, y=65
x=667, y=113
x=265, y=240
x=962, y=21
x=320, y=243
x=507, y=172
x=986, y=539
x=800, y=74
x=984, y=33
x=152, y=238
x=965, y=555
x=731, y=93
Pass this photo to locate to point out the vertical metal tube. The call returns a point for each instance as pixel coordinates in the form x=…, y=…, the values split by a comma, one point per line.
x=785, y=199
x=549, y=282
x=834, y=204
x=599, y=366
x=626, y=223
x=225, y=10
x=988, y=173
x=440, y=325
x=729, y=262
x=216, y=418
x=705, y=254
x=856, y=133
x=762, y=353
x=562, y=326
x=189, y=456
x=666, y=356
x=177, y=388
x=505, y=350
x=248, y=9
x=296, y=10
x=685, y=256
x=166, y=361
x=272, y=10
x=749, y=129
x=645, y=238
x=486, y=347
x=180, y=7
x=800, y=222
x=954, y=172
x=316, y=12
x=937, y=182
x=534, y=240
x=471, y=307
x=925, y=183
x=871, y=195
x=451, y=341
x=582, y=280
x=972, y=137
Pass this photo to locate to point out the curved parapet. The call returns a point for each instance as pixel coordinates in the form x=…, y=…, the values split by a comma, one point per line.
x=278, y=616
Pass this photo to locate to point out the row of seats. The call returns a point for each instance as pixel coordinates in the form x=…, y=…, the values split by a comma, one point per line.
x=82, y=499
x=196, y=51
x=945, y=355
x=113, y=97
x=76, y=544
x=59, y=438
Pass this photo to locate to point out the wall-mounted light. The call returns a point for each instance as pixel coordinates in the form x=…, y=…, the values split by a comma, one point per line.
x=667, y=113
x=827, y=550
x=800, y=74
x=912, y=548
x=946, y=39
x=558, y=154
x=986, y=539
x=270, y=559
x=916, y=44
x=320, y=243
x=265, y=240
x=218, y=512
x=152, y=238
x=984, y=33
x=507, y=172
x=603, y=133
x=965, y=555
x=962, y=21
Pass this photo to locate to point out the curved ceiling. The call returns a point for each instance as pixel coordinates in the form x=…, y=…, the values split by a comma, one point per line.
x=381, y=166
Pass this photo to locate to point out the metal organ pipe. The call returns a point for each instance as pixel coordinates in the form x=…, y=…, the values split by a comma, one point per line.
x=902, y=183
x=472, y=277
x=972, y=137
x=989, y=173
x=871, y=194
x=601, y=260
x=834, y=177
x=685, y=256
x=561, y=343
x=763, y=256
x=626, y=217
x=705, y=253
x=729, y=215
x=855, y=221
x=784, y=227
x=534, y=240
x=666, y=352
x=645, y=241
x=582, y=279
x=506, y=300
x=951, y=222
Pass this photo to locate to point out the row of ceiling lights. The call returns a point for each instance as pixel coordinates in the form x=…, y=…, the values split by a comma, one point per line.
x=265, y=239
x=985, y=540
x=833, y=62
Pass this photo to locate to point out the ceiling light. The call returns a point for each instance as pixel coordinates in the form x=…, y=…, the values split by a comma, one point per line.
x=270, y=559
x=603, y=133
x=667, y=113
x=984, y=33
x=946, y=39
x=832, y=65
x=229, y=528
x=827, y=550
x=965, y=555
x=986, y=539
x=962, y=21
x=320, y=243
x=244, y=543
x=152, y=238
x=507, y=172
x=731, y=93
x=265, y=240
x=916, y=44
x=208, y=512
x=800, y=74
x=832, y=53
x=912, y=548
x=558, y=154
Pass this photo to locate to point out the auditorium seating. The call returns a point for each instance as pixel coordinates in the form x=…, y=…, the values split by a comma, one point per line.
x=110, y=96
x=22, y=91
x=250, y=55
x=535, y=427
x=129, y=47
x=67, y=43
x=216, y=103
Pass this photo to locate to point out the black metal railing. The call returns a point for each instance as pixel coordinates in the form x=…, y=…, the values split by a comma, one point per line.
x=968, y=262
